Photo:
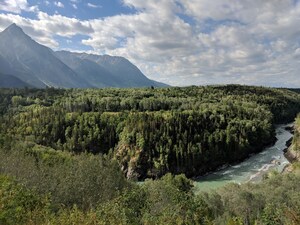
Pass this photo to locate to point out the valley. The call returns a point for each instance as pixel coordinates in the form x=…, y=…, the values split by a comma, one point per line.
x=86, y=148
x=74, y=155
x=131, y=112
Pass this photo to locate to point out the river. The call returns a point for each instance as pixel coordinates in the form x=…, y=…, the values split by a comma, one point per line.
x=253, y=168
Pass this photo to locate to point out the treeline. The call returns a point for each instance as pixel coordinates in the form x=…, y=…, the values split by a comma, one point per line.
x=150, y=132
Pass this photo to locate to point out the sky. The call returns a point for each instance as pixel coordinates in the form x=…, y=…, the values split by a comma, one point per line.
x=179, y=42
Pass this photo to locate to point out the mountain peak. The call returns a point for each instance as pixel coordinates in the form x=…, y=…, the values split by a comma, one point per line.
x=12, y=25
x=15, y=33
x=39, y=66
x=14, y=29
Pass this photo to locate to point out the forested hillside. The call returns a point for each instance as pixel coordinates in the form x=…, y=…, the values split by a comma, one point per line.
x=150, y=132
x=63, y=155
x=66, y=190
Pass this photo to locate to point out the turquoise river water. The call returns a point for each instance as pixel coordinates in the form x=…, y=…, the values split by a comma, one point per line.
x=253, y=168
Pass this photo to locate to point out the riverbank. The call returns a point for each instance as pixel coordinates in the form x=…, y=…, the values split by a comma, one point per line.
x=293, y=157
x=292, y=153
x=252, y=169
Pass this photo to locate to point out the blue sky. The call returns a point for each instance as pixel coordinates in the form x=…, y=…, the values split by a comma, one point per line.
x=180, y=42
x=82, y=9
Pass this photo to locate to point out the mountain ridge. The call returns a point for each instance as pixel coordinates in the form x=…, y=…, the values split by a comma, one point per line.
x=113, y=66
x=34, y=63
x=40, y=66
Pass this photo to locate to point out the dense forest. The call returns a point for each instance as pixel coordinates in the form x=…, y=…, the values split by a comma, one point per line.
x=65, y=155
x=150, y=132
x=66, y=189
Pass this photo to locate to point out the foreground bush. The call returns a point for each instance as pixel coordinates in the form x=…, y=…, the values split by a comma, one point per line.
x=18, y=205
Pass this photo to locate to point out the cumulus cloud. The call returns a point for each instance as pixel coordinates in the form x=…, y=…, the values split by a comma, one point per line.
x=184, y=42
x=17, y=6
x=61, y=25
x=243, y=41
x=46, y=27
x=30, y=27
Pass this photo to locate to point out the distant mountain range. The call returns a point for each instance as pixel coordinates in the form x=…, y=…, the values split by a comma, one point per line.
x=24, y=62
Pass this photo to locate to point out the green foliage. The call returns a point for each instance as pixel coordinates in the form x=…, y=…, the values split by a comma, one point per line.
x=296, y=139
x=71, y=145
x=18, y=205
x=150, y=132
x=170, y=200
x=84, y=180
x=271, y=215
x=163, y=201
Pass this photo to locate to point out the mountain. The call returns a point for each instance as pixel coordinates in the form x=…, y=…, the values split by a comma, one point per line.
x=33, y=63
x=39, y=66
x=120, y=69
x=91, y=71
x=9, y=81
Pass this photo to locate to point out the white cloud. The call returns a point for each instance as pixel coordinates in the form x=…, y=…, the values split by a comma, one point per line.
x=46, y=27
x=244, y=39
x=30, y=27
x=93, y=5
x=184, y=42
x=59, y=4
x=61, y=25
x=17, y=6
x=74, y=6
